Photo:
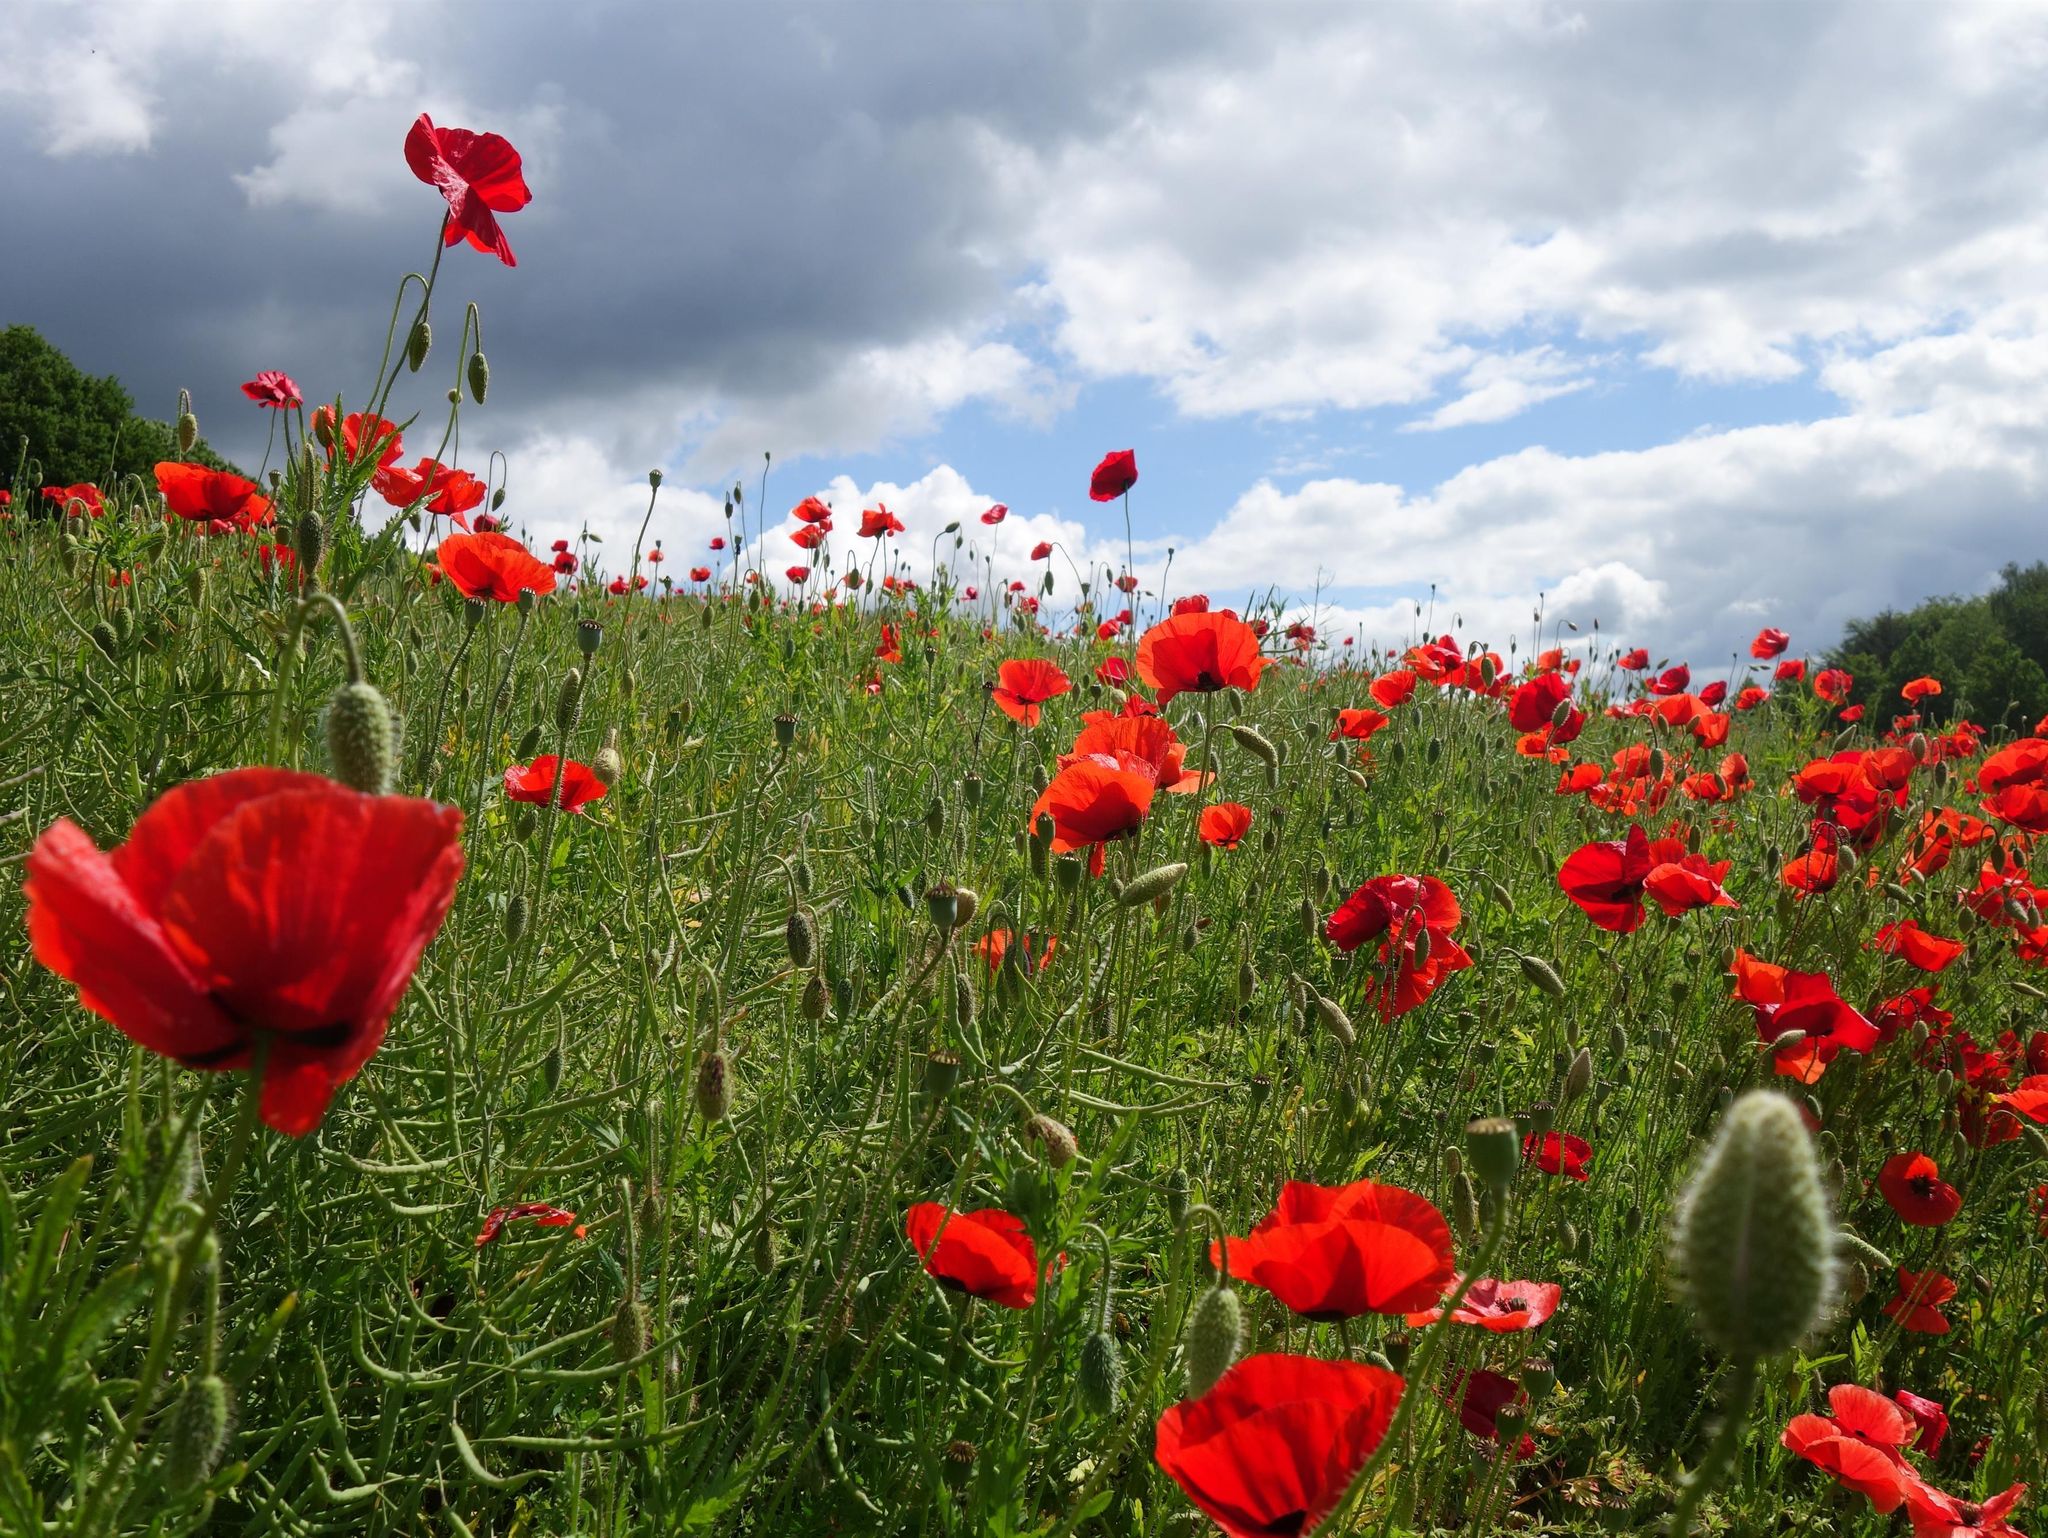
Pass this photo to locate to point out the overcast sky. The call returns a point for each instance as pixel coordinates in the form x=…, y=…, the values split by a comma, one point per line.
x=1691, y=317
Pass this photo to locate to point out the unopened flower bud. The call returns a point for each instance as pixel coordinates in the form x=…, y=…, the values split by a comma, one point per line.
x=198, y=1433
x=1102, y=1373
x=800, y=935
x=1056, y=1143
x=714, y=1087
x=359, y=744
x=605, y=765
x=1152, y=885
x=479, y=376
x=1215, y=1336
x=569, y=702
x=631, y=1330
x=418, y=344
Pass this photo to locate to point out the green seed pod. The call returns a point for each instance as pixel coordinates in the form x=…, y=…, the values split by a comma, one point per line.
x=1215, y=1336
x=1752, y=1241
x=515, y=917
x=1102, y=1373
x=569, y=702
x=935, y=816
x=631, y=1330
x=479, y=376
x=816, y=999
x=1253, y=743
x=104, y=638
x=198, y=1432
x=1152, y=885
x=1543, y=975
x=714, y=1087
x=1056, y=1142
x=970, y=790
x=941, y=1073
x=359, y=744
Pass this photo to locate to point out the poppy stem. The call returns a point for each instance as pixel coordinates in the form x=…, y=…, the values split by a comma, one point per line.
x=1713, y=1464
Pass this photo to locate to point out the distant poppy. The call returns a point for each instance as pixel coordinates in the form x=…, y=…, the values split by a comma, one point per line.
x=276, y=558
x=1833, y=685
x=1023, y=684
x=878, y=522
x=811, y=510
x=810, y=536
x=1480, y=1396
x=1918, y=1305
x=1929, y=1418
x=1188, y=653
x=797, y=574
x=1911, y=1184
x=565, y=561
x=1270, y=1450
x=1391, y=689
x=995, y=945
x=1769, y=643
x=1713, y=694
x=1335, y=1252
x=448, y=493
x=1558, y=1153
x=1937, y=1514
x=1673, y=680
x=985, y=1253
x=479, y=176
x=1399, y=911
x=83, y=498
x=362, y=436
x=535, y=783
x=202, y=934
x=1096, y=799
x=200, y=495
x=1041, y=550
x=1750, y=697
x=1928, y=952
x=700, y=573
x=995, y=515
x=717, y=542
x=1358, y=725
x=1634, y=661
x=1791, y=671
x=1225, y=824
x=494, y=566
x=1535, y=705
x=273, y=388
x=1914, y=690
x=542, y=1214
x=1117, y=474
x=1496, y=1306
x=1861, y=1442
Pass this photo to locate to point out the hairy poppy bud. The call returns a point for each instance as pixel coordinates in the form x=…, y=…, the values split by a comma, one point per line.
x=104, y=638
x=764, y=1244
x=1253, y=743
x=417, y=344
x=188, y=431
x=198, y=1432
x=1335, y=1021
x=1752, y=1241
x=800, y=935
x=359, y=742
x=515, y=917
x=1152, y=885
x=606, y=765
x=1247, y=982
x=311, y=541
x=1543, y=975
x=1215, y=1336
x=1464, y=1207
x=1579, y=1077
x=1102, y=1373
x=714, y=1087
x=631, y=1330
x=529, y=742
x=816, y=999
x=1056, y=1143
x=569, y=702
x=1177, y=1192
x=479, y=376
x=1493, y=1150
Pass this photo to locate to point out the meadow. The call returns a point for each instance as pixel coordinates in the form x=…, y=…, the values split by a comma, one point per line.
x=619, y=1040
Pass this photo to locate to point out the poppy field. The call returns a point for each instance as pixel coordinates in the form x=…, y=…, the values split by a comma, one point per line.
x=525, y=1040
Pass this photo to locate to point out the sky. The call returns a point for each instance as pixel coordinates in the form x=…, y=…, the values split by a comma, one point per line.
x=1683, y=319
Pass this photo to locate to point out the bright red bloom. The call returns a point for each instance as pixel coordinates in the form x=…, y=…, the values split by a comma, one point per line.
x=1335, y=1252
x=877, y=522
x=542, y=1214
x=1095, y=799
x=1496, y=1306
x=995, y=515
x=1113, y=671
x=1919, y=1302
x=1714, y=693
x=446, y=492
x=1194, y=603
x=565, y=561
x=811, y=510
x=276, y=558
x=70, y=499
x=1833, y=685
x=1928, y=952
x=1391, y=689
x=1769, y=643
x=201, y=495
x=797, y=574
x=986, y=1253
x=1791, y=671
x=1023, y=684
x=1138, y=733
x=1481, y=1396
x=1041, y=550
x=494, y=566
x=1633, y=662
x=700, y=573
x=1117, y=474
x=1225, y=824
x=1676, y=679
x=1805, y=1004
x=1914, y=690
x=362, y=436
x=810, y=536
x=1558, y=1153
x=202, y=934
x=1397, y=911
x=1200, y=653
x=1270, y=1450
x=2030, y=1099
x=1609, y=880
x=1937, y=1514
x=1358, y=725
x=1912, y=1184
x=1750, y=697
x=1929, y=1417
x=1862, y=1443
x=273, y=388
x=478, y=174
x=535, y=783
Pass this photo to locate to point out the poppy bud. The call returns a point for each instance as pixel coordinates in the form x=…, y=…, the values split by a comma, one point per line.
x=714, y=1087
x=515, y=917
x=1215, y=1336
x=1465, y=1207
x=1056, y=1144
x=569, y=702
x=198, y=1432
x=479, y=376
x=104, y=638
x=1752, y=1241
x=529, y=742
x=1311, y=921
x=188, y=431
x=764, y=1244
x=1152, y=885
x=1494, y=1151
x=785, y=730
x=1543, y=975
x=1421, y=948
x=311, y=541
x=935, y=817
x=1247, y=982
x=800, y=935
x=606, y=766
x=1102, y=1373
x=1579, y=1077
x=1177, y=1195
x=1335, y=1021
x=417, y=344
x=631, y=1329
x=1253, y=743
x=359, y=738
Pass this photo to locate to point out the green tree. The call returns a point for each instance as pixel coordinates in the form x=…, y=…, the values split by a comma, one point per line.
x=1990, y=653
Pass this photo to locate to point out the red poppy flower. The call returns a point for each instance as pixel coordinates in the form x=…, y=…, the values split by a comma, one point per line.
x=1558, y=1153
x=797, y=574
x=1914, y=690
x=1533, y=707
x=276, y=558
x=1749, y=697
x=1139, y=733
x=2021, y=806
x=478, y=174
x=83, y=497
x=1937, y=1514
x=493, y=566
x=1391, y=689
x=1833, y=685
x=1930, y=1419
x=1579, y=779
x=1358, y=725
x=1023, y=684
x=986, y=1253
x=1225, y=824
x=447, y=493
x=700, y=573
x=1852, y=715
x=204, y=496
x=1096, y=798
x=1200, y=653
x=995, y=945
x=995, y=515
x=1271, y=1449
x=1912, y=1184
x=1769, y=643
x=362, y=436
x=1609, y=880
x=1633, y=662
x=1673, y=680
x=1396, y=910
x=273, y=388
x=1805, y=1004
x=202, y=934
x=1928, y=952
x=810, y=536
x=2029, y=1100
x=542, y=1215
x=535, y=783
x=1496, y=1306
x=1335, y=1252
x=811, y=510
x=889, y=648
x=878, y=522
x=1117, y=474
x=1193, y=603
x=1791, y=671
x=1918, y=1305
x=1861, y=1443
x=1714, y=693
x=1041, y=550
x=1481, y=1396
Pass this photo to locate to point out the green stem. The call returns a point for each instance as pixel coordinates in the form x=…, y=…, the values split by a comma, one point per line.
x=1713, y=1466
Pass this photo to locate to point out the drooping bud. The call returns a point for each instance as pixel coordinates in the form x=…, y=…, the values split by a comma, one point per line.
x=1579, y=1077
x=1102, y=1373
x=1215, y=1336
x=714, y=1087
x=569, y=702
x=417, y=345
x=1152, y=885
x=631, y=1330
x=198, y=1432
x=1543, y=975
x=515, y=917
x=605, y=764
x=816, y=999
x=1253, y=743
x=1335, y=1021
x=359, y=744
x=479, y=376
x=188, y=424
x=800, y=935
x=1056, y=1142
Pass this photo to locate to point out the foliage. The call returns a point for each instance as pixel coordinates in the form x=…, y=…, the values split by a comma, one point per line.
x=1991, y=652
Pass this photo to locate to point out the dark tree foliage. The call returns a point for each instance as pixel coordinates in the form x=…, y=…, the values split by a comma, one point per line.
x=76, y=427
x=1990, y=653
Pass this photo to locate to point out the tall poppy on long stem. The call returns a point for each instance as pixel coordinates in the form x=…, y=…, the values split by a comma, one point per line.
x=480, y=177
x=494, y=566
x=1200, y=653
